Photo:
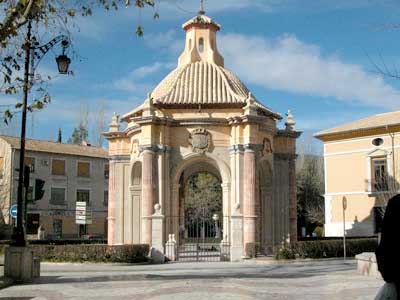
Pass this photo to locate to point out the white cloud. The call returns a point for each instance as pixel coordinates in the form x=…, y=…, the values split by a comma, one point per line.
x=140, y=80
x=290, y=65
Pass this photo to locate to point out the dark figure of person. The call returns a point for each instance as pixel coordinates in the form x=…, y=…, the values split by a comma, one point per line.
x=388, y=252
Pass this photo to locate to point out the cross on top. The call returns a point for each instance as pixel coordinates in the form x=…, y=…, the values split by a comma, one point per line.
x=202, y=11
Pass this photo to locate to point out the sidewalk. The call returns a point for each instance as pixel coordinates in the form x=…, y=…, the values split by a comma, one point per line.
x=270, y=260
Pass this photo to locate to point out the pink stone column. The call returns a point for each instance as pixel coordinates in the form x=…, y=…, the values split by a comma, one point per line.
x=111, y=206
x=292, y=200
x=148, y=195
x=249, y=199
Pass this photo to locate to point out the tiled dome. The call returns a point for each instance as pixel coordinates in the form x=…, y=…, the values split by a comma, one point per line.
x=200, y=83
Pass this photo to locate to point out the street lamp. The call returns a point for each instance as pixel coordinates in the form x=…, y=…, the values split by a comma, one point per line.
x=32, y=50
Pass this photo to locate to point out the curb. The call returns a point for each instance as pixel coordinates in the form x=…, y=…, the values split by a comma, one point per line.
x=274, y=261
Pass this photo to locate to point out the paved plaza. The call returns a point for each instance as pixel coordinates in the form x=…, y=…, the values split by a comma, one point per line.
x=330, y=279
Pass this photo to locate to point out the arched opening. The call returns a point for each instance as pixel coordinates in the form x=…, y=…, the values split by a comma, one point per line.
x=201, y=208
x=132, y=208
x=201, y=45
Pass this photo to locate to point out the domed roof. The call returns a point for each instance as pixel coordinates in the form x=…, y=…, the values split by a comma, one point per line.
x=200, y=78
x=200, y=83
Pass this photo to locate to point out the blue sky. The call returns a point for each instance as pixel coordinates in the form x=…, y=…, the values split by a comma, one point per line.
x=313, y=57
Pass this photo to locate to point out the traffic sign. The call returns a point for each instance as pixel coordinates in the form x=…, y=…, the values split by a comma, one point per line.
x=13, y=210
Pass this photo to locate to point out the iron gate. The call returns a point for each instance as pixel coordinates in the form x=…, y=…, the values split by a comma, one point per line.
x=203, y=239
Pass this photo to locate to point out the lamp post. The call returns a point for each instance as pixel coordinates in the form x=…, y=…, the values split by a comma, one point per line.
x=32, y=50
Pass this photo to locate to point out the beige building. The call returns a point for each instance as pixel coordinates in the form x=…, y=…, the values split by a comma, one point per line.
x=202, y=118
x=362, y=164
x=71, y=173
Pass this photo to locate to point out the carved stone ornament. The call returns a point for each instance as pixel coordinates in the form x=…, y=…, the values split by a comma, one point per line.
x=135, y=148
x=267, y=147
x=200, y=140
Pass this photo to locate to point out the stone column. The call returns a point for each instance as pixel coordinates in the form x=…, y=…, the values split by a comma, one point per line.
x=292, y=199
x=249, y=203
x=111, y=206
x=148, y=195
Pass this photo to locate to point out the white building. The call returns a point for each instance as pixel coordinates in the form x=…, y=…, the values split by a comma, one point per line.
x=71, y=173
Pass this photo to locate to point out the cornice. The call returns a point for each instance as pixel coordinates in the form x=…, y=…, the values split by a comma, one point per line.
x=114, y=135
x=246, y=119
x=119, y=158
x=288, y=134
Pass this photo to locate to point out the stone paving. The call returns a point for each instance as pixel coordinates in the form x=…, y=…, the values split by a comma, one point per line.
x=330, y=279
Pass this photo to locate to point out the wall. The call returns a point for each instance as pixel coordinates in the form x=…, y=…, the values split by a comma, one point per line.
x=96, y=184
x=348, y=173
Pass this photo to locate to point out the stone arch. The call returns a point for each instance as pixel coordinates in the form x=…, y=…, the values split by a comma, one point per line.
x=265, y=205
x=209, y=163
x=193, y=158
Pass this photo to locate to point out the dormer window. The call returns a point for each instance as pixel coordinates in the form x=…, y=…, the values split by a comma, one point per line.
x=201, y=45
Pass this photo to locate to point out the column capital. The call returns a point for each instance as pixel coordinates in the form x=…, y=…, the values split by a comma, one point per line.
x=253, y=147
x=155, y=148
x=236, y=149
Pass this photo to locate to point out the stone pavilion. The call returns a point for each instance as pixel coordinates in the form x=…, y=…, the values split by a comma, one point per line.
x=202, y=118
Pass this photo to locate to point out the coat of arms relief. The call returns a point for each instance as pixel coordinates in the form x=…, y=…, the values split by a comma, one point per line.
x=200, y=140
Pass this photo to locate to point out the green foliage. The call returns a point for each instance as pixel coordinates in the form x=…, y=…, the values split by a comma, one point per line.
x=203, y=196
x=285, y=253
x=92, y=253
x=53, y=17
x=79, y=135
x=252, y=249
x=326, y=248
x=310, y=202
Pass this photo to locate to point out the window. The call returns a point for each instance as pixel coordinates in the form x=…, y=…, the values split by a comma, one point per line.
x=379, y=174
x=33, y=222
x=105, y=199
x=201, y=45
x=377, y=142
x=57, y=228
x=83, y=169
x=57, y=196
x=58, y=167
x=106, y=171
x=30, y=162
x=83, y=196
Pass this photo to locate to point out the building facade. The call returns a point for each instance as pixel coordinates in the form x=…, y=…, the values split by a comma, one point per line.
x=72, y=173
x=361, y=164
x=202, y=118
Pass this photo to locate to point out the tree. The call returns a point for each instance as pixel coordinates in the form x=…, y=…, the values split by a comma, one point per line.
x=50, y=15
x=79, y=135
x=310, y=190
x=203, y=197
x=99, y=124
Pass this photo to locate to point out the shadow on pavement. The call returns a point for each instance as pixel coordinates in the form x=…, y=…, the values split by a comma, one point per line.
x=272, y=272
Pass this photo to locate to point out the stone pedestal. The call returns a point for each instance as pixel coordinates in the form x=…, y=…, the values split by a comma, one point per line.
x=236, y=238
x=19, y=264
x=171, y=248
x=366, y=264
x=157, y=243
